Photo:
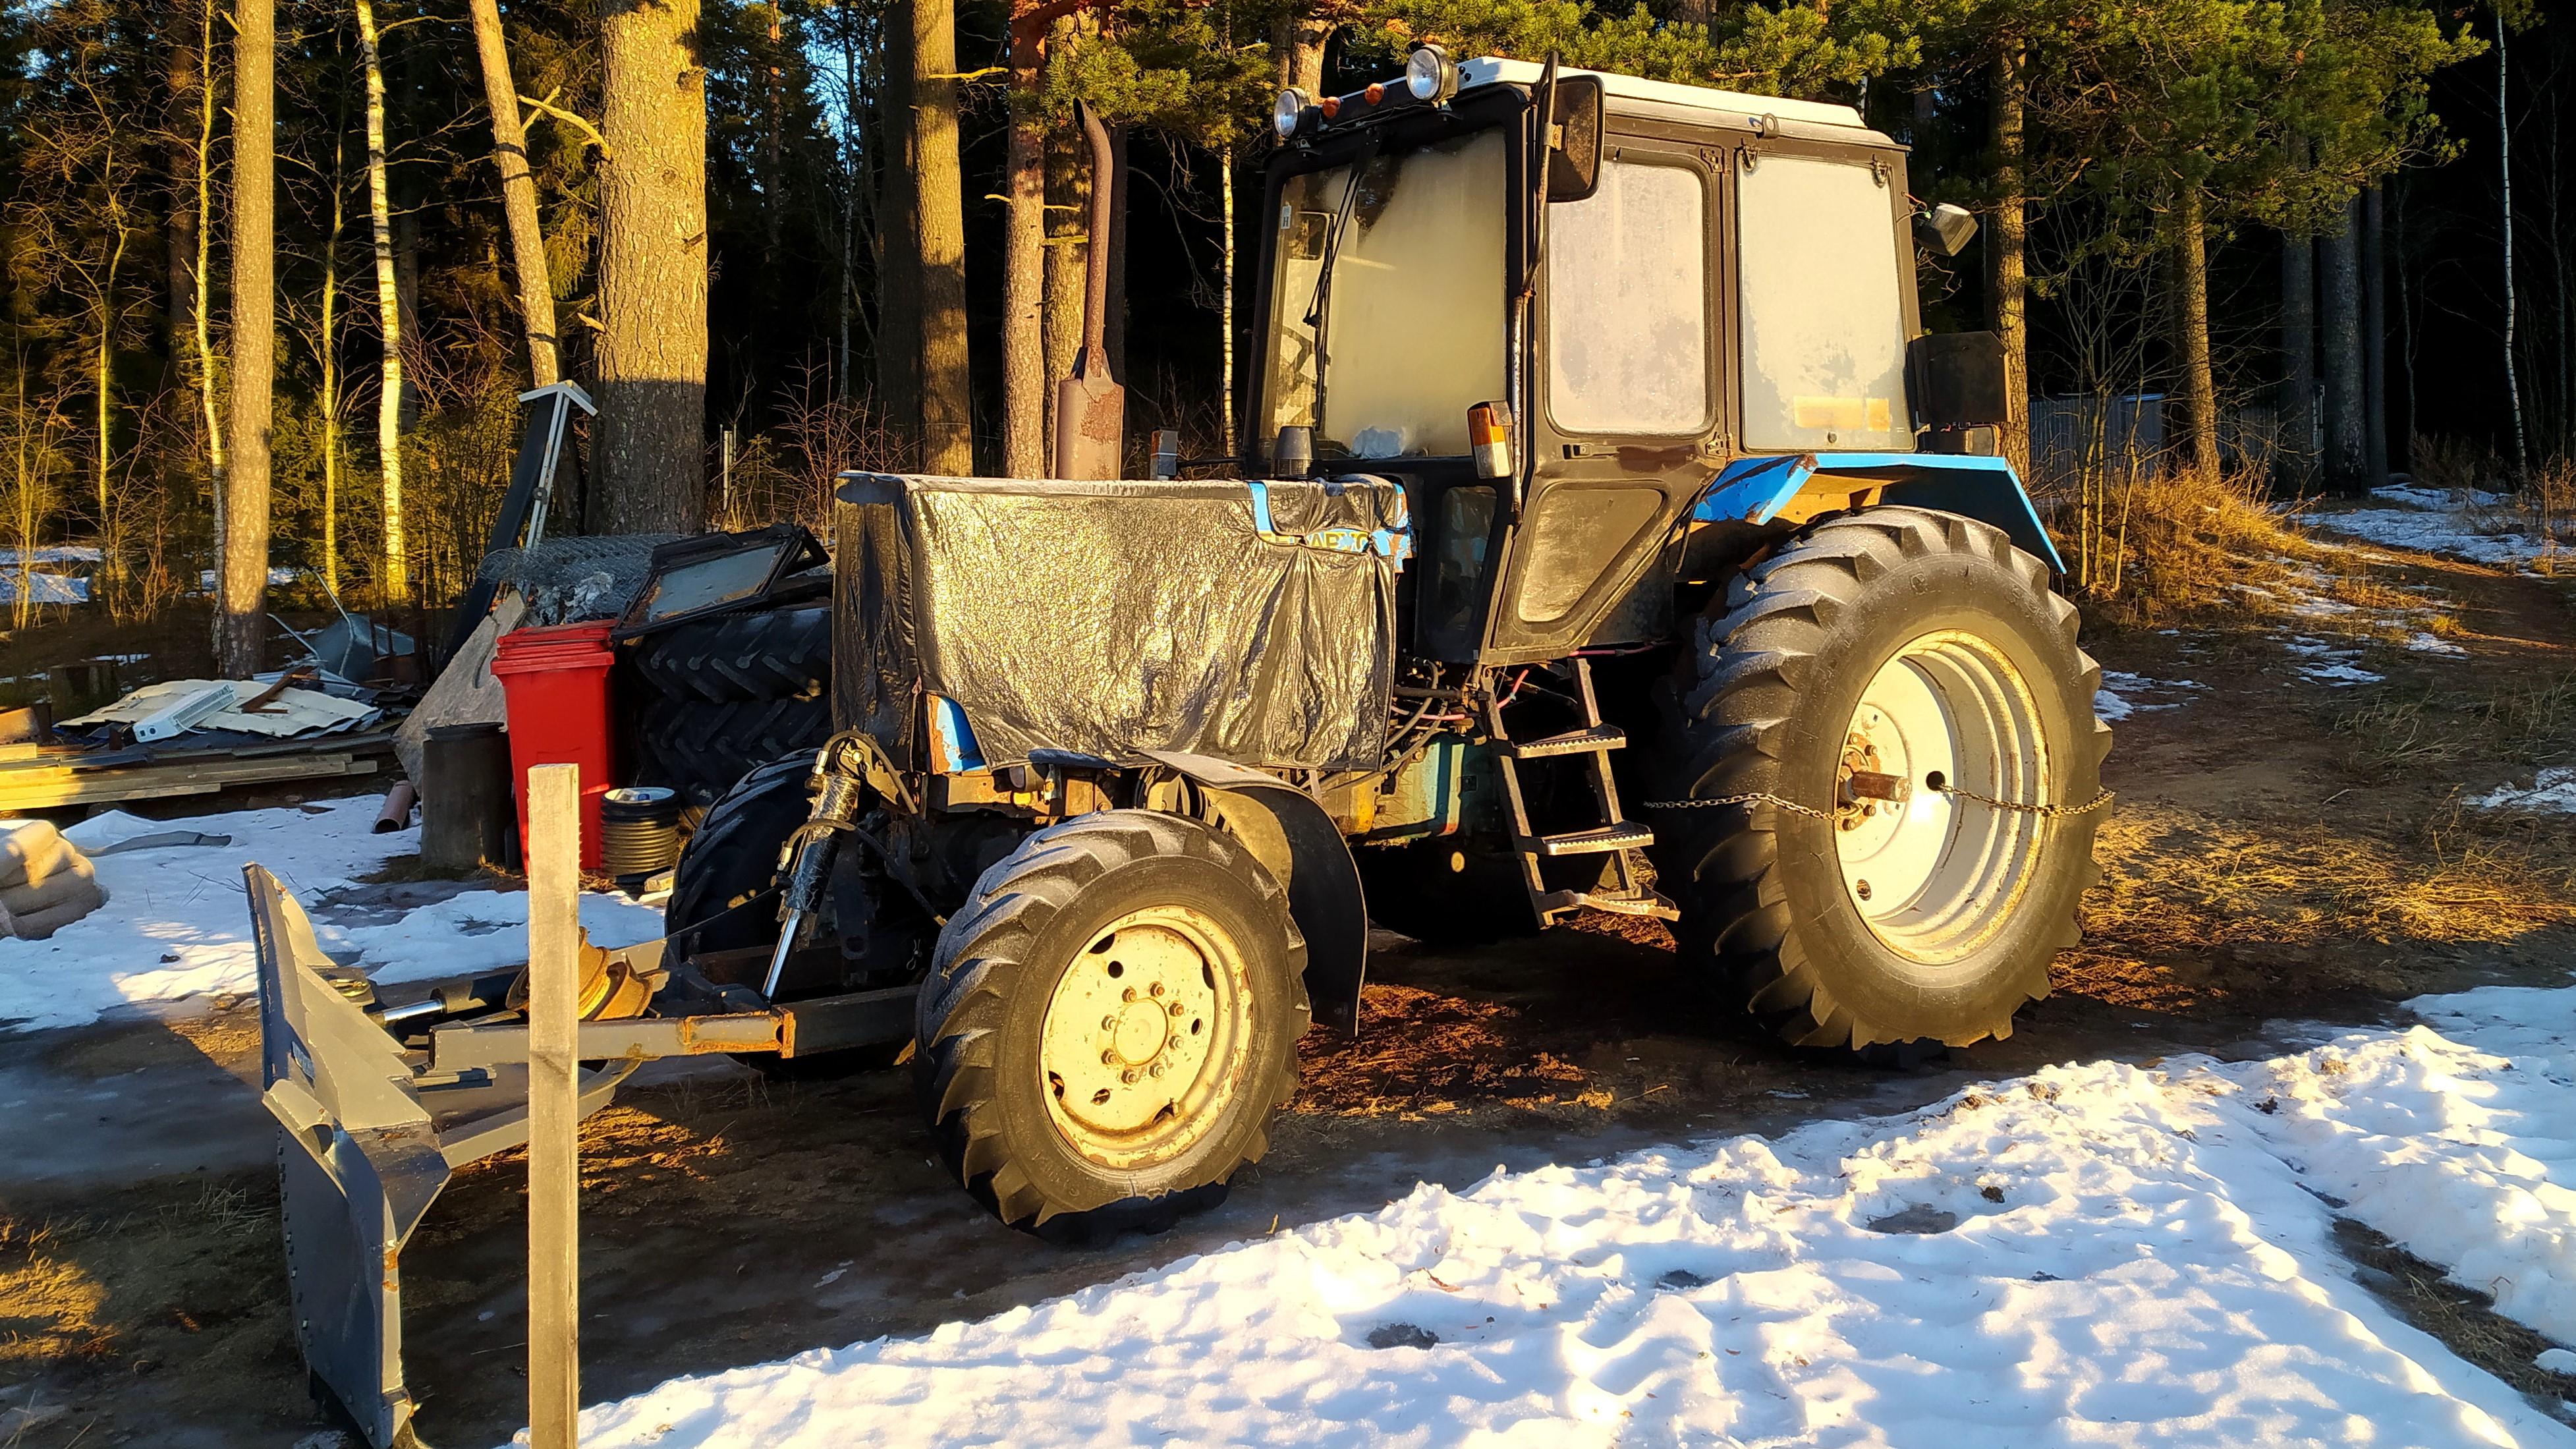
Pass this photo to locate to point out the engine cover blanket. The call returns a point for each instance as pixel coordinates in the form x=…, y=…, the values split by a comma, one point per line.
x=1252, y=622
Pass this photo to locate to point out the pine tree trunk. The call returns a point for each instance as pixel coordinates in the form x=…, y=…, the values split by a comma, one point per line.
x=2191, y=271
x=2007, y=239
x=2298, y=403
x=518, y=193
x=242, y=584
x=2342, y=348
x=1298, y=41
x=938, y=219
x=2374, y=346
x=899, y=276
x=652, y=350
x=1024, y=266
x=393, y=574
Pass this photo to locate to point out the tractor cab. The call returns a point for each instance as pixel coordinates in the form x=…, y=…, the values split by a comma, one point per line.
x=1627, y=285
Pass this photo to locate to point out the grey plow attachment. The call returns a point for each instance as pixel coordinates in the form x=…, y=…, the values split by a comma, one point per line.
x=368, y=1139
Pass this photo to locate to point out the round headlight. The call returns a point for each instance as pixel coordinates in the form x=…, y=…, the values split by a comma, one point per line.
x=1430, y=74
x=1290, y=109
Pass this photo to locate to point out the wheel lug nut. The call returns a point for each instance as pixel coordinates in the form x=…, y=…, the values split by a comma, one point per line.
x=1128, y=995
x=1108, y=1023
x=1156, y=988
x=1128, y=1076
x=1157, y=1069
x=1109, y=1059
x=1176, y=1008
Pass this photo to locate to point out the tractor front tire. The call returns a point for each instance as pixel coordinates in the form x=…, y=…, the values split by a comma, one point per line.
x=1109, y=1024
x=1892, y=644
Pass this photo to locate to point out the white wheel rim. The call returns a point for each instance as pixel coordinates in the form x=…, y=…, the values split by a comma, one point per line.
x=1145, y=1038
x=1934, y=877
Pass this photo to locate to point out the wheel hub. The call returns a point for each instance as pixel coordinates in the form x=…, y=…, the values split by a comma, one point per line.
x=1143, y=1037
x=1931, y=878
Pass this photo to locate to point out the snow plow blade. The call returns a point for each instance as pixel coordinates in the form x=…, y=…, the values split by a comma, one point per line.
x=371, y=1129
x=361, y=1155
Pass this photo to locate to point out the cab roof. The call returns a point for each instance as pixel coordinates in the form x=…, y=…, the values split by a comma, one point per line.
x=1732, y=109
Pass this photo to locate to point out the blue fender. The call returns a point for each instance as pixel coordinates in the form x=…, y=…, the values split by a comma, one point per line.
x=1755, y=489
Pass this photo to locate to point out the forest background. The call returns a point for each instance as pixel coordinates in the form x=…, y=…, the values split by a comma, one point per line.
x=276, y=271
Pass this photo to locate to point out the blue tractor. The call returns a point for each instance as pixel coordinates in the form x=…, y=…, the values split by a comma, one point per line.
x=1615, y=542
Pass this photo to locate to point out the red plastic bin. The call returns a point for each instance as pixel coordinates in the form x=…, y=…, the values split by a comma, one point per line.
x=556, y=683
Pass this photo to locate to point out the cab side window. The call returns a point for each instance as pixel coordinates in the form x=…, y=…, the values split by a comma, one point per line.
x=1823, y=310
x=1627, y=279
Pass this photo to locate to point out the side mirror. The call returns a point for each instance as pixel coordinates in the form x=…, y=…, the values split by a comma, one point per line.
x=1945, y=228
x=1574, y=155
x=1959, y=380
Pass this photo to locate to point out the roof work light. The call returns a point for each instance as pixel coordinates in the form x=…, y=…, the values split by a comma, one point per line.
x=1287, y=112
x=1431, y=75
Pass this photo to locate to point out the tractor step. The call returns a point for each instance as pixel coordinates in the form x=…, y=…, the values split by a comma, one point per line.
x=1585, y=741
x=1617, y=835
x=1643, y=903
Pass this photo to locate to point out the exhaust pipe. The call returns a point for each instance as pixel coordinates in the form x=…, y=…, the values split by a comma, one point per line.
x=1090, y=406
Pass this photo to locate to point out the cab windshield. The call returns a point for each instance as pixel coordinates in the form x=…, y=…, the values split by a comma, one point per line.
x=1404, y=280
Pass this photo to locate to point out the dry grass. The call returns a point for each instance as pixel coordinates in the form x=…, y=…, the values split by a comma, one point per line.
x=2151, y=550
x=2527, y=722
x=2195, y=908
x=2464, y=1319
x=51, y=1310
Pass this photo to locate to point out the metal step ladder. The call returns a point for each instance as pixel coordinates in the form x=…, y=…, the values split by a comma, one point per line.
x=1618, y=889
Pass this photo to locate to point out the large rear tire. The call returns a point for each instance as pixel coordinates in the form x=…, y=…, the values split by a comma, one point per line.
x=1902, y=643
x=764, y=654
x=703, y=749
x=1109, y=1024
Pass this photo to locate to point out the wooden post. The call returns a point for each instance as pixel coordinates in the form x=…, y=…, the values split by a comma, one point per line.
x=554, y=1111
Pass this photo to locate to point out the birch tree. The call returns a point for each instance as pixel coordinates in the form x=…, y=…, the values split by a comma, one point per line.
x=393, y=574
x=209, y=387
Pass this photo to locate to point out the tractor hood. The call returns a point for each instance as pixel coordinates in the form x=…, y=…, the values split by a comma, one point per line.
x=979, y=620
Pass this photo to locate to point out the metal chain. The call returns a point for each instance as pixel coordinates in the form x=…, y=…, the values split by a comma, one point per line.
x=2050, y=812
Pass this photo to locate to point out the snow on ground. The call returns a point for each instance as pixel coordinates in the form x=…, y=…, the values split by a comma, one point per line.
x=2435, y=521
x=2093, y=1254
x=2553, y=791
x=2325, y=663
x=2123, y=694
x=177, y=922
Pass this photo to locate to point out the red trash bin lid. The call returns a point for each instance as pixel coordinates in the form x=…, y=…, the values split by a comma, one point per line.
x=555, y=646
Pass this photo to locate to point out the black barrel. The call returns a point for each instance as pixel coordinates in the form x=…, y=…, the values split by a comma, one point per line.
x=467, y=819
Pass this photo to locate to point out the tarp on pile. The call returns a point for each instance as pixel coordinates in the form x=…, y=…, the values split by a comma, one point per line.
x=1254, y=622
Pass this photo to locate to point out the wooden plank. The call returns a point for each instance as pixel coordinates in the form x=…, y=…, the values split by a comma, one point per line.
x=554, y=1109
x=41, y=789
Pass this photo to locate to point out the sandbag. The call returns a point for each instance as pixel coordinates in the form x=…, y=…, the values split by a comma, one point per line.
x=38, y=925
x=32, y=851
x=73, y=879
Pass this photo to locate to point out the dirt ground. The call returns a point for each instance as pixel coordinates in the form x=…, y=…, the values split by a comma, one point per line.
x=2282, y=850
